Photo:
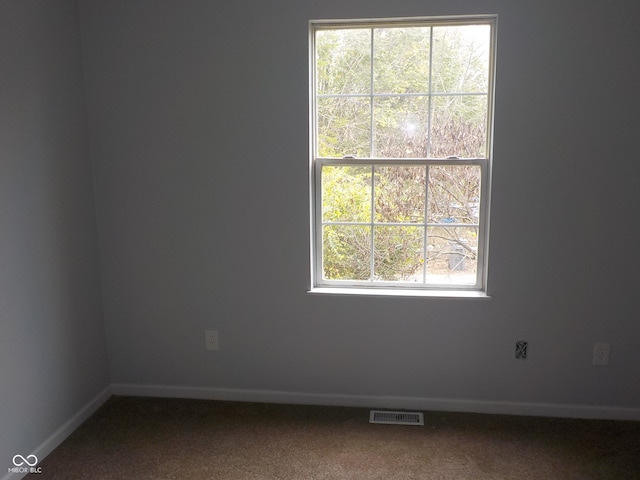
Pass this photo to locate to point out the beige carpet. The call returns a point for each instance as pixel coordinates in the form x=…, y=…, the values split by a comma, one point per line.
x=151, y=438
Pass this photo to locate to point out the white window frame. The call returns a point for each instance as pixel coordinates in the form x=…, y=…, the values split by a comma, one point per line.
x=449, y=289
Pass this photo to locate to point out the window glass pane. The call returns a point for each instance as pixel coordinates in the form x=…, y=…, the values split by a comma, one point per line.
x=344, y=127
x=461, y=59
x=400, y=194
x=401, y=125
x=343, y=61
x=454, y=194
x=346, y=252
x=452, y=254
x=346, y=194
x=401, y=60
x=459, y=126
x=399, y=253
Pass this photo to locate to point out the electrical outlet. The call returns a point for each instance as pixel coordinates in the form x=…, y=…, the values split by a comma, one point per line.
x=601, y=354
x=211, y=340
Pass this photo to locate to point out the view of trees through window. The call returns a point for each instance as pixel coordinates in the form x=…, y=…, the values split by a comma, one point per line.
x=401, y=123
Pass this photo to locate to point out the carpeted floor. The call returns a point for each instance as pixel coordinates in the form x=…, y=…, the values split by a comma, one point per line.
x=152, y=438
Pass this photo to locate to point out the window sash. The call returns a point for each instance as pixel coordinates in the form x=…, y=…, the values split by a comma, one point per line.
x=319, y=223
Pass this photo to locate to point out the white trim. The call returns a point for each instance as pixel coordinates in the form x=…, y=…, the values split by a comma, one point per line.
x=66, y=429
x=445, y=20
x=407, y=292
x=388, y=402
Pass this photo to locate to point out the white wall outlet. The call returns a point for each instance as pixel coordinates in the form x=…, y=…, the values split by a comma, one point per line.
x=601, y=354
x=211, y=340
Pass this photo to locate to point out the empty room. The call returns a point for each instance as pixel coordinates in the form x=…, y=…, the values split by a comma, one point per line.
x=235, y=234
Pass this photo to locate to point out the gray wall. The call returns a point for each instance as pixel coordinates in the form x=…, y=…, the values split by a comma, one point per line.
x=199, y=114
x=53, y=357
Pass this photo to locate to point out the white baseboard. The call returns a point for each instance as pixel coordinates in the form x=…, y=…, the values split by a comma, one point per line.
x=57, y=437
x=390, y=402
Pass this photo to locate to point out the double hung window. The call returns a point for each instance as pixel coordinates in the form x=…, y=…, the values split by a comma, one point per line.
x=401, y=129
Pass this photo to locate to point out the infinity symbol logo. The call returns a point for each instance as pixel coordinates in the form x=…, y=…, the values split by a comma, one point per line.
x=19, y=460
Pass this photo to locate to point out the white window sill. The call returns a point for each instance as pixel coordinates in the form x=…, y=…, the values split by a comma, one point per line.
x=400, y=292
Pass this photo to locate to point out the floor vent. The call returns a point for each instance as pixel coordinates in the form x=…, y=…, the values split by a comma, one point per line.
x=396, y=418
